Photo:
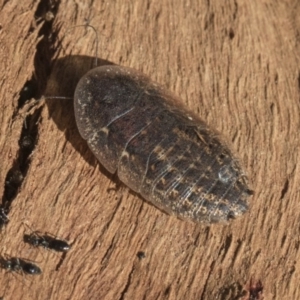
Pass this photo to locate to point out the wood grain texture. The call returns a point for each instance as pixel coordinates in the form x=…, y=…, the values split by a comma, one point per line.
x=236, y=65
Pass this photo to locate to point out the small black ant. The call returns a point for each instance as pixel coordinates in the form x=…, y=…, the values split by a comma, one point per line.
x=3, y=216
x=46, y=241
x=19, y=265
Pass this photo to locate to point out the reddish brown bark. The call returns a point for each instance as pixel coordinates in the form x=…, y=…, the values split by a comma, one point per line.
x=236, y=64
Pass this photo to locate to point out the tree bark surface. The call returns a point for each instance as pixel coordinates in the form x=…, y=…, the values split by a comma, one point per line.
x=236, y=64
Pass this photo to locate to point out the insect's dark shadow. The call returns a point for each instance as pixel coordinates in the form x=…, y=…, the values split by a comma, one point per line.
x=62, y=82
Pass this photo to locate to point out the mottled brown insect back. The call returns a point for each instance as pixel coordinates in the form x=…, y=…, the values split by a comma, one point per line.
x=166, y=154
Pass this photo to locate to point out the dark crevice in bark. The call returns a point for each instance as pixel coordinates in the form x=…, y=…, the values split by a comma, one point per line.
x=33, y=88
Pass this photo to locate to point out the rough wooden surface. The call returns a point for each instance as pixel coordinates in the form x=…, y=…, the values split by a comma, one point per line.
x=236, y=64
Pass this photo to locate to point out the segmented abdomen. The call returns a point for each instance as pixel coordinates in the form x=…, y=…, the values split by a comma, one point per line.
x=169, y=156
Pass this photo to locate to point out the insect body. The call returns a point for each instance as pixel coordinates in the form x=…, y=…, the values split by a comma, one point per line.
x=46, y=241
x=3, y=216
x=136, y=128
x=19, y=265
